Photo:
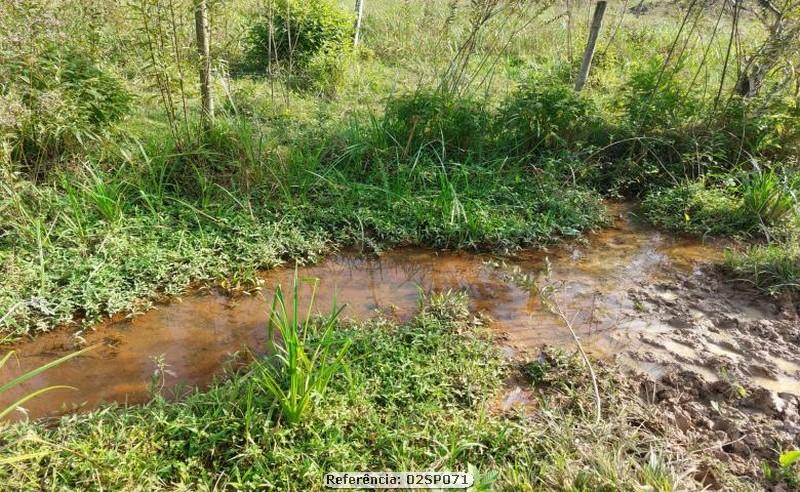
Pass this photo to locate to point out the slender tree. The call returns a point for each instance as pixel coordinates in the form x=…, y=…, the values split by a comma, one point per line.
x=779, y=49
x=202, y=33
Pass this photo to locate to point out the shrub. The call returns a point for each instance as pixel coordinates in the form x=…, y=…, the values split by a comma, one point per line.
x=311, y=36
x=55, y=102
x=766, y=127
x=548, y=117
x=766, y=200
x=438, y=122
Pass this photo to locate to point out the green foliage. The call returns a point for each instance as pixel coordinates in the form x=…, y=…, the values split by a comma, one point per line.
x=390, y=412
x=758, y=205
x=509, y=163
x=696, y=208
x=656, y=100
x=762, y=205
x=55, y=104
x=774, y=266
x=436, y=123
x=285, y=175
x=118, y=239
x=786, y=469
x=532, y=122
x=758, y=127
x=311, y=36
x=299, y=375
x=417, y=396
x=767, y=200
x=539, y=118
x=789, y=458
x=547, y=117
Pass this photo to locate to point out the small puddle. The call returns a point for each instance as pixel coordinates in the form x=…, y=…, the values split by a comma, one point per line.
x=197, y=335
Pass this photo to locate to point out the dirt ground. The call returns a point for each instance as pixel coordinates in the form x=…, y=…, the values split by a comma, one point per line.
x=729, y=359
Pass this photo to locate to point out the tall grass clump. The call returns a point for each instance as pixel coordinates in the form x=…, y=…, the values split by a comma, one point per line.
x=298, y=373
x=774, y=266
x=768, y=199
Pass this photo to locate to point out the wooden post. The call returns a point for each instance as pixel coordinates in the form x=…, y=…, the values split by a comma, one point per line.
x=202, y=33
x=359, y=15
x=588, y=53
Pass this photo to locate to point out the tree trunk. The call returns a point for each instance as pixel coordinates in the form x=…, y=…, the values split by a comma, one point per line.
x=588, y=53
x=202, y=33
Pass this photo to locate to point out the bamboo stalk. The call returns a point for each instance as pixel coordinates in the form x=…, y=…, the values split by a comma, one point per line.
x=201, y=31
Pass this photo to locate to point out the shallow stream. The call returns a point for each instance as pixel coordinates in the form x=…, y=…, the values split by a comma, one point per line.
x=619, y=286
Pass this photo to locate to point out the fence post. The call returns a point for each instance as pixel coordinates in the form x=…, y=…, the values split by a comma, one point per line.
x=588, y=53
x=359, y=15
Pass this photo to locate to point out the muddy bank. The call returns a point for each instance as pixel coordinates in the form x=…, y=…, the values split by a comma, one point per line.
x=720, y=436
x=649, y=300
x=723, y=365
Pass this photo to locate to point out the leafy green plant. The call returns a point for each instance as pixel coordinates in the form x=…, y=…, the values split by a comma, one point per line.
x=695, y=208
x=299, y=369
x=756, y=126
x=548, y=117
x=419, y=395
x=789, y=458
x=766, y=200
x=56, y=103
x=786, y=470
x=656, y=100
x=437, y=123
x=306, y=40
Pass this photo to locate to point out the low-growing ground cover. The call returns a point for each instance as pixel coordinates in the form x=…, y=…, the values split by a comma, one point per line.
x=424, y=395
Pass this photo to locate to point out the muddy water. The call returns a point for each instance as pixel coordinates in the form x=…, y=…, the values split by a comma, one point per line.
x=197, y=335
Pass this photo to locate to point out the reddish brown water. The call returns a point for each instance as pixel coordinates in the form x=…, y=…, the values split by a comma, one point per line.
x=198, y=334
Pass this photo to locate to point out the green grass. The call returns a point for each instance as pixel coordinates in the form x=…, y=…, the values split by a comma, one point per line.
x=432, y=133
x=760, y=210
x=93, y=251
x=774, y=266
x=416, y=396
x=298, y=374
x=145, y=220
